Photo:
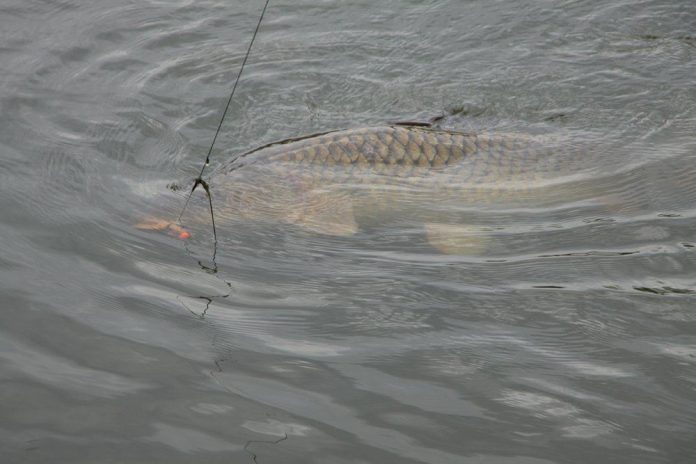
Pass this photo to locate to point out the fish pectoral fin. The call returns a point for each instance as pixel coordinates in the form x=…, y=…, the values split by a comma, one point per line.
x=327, y=213
x=613, y=203
x=456, y=239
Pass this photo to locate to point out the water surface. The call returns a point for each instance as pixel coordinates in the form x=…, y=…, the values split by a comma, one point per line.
x=571, y=339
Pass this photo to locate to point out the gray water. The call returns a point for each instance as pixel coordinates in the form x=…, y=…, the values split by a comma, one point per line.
x=571, y=340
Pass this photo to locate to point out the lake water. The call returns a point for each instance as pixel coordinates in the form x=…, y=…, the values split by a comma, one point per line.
x=572, y=339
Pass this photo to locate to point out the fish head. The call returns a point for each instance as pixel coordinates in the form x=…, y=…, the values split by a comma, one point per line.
x=158, y=212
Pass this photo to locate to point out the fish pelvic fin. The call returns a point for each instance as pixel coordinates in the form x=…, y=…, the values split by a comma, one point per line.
x=456, y=239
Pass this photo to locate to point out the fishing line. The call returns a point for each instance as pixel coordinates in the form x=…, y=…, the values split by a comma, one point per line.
x=199, y=180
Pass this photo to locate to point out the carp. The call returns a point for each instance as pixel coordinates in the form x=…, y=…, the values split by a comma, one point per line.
x=338, y=182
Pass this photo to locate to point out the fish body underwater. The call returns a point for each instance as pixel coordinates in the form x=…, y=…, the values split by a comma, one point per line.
x=340, y=182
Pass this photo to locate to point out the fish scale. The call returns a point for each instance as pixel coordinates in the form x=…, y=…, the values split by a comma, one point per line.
x=482, y=164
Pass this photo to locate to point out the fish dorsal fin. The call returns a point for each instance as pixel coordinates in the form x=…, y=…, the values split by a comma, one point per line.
x=430, y=122
x=286, y=141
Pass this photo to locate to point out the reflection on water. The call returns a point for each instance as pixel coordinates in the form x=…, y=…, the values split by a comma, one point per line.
x=562, y=332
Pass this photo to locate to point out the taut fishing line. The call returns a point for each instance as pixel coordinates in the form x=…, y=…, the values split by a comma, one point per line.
x=199, y=180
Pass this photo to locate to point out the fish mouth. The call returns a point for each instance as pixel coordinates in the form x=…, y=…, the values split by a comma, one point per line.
x=162, y=225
